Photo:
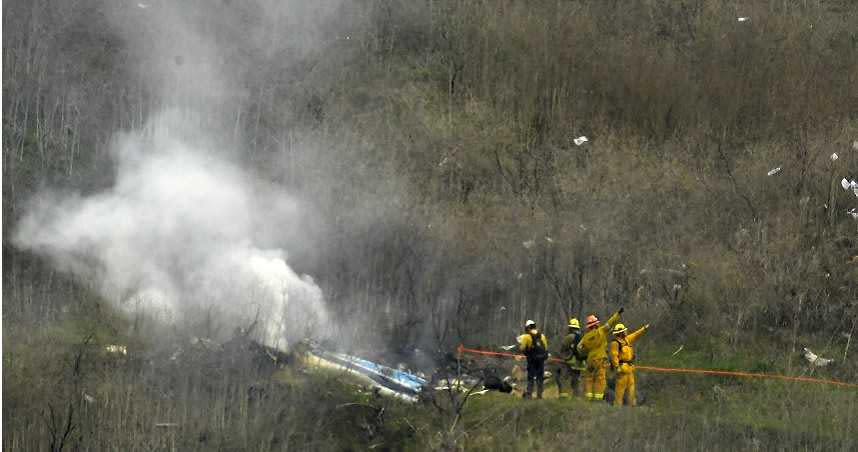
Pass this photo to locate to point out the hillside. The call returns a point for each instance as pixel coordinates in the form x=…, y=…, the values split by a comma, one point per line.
x=396, y=178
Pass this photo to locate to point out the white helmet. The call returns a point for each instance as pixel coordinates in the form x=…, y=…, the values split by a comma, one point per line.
x=529, y=324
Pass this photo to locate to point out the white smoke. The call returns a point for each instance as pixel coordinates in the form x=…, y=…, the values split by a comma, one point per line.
x=181, y=232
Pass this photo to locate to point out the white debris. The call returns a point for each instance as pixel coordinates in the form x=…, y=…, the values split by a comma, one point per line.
x=88, y=398
x=166, y=425
x=528, y=244
x=845, y=184
x=816, y=360
x=834, y=157
x=580, y=140
x=520, y=275
x=443, y=161
x=678, y=350
x=503, y=308
x=142, y=5
x=743, y=19
x=508, y=347
x=479, y=392
x=120, y=349
x=549, y=240
x=853, y=213
x=774, y=171
x=855, y=145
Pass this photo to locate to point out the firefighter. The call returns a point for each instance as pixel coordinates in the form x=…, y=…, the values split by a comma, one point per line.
x=571, y=366
x=622, y=361
x=593, y=345
x=534, y=345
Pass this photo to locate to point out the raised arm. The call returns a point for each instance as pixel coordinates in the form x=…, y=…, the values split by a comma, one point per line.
x=615, y=319
x=637, y=334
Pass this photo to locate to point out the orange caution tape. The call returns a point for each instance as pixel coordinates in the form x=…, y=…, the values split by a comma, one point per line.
x=723, y=373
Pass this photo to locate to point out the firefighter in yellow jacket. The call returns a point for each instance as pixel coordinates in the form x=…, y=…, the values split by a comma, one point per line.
x=534, y=345
x=593, y=345
x=622, y=360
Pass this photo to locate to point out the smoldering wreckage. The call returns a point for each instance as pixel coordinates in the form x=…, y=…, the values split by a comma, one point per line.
x=454, y=371
x=310, y=357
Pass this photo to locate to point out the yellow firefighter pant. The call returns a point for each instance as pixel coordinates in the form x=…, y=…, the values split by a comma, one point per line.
x=625, y=387
x=594, y=379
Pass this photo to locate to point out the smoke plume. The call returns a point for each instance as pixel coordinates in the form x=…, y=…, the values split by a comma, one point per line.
x=179, y=234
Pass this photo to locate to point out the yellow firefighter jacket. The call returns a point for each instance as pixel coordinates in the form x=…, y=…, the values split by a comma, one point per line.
x=622, y=353
x=595, y=341
x=525, y=341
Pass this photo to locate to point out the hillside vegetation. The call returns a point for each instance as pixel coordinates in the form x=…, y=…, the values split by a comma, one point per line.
x=433, y=141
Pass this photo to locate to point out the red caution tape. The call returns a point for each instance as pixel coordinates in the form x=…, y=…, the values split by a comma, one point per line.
x=723, y=373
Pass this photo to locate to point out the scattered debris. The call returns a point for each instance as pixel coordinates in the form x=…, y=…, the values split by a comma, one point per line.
x=743, y=19
x=528, y=244
x=458, y=384
x=849, y=185
x=88, y=398
x=580, y=140
x=853, y=212
x=834, y=157
x=119, y=349
x=816, y=360
x=443, y=162
x=774, y=171
x=718, y=392
x=678, y=350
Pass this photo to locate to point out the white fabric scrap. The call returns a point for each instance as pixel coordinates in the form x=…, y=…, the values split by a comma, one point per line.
x=119, y=349
x=834, y=157
x=774, y=171
x=845, y=184
x=528, y=244
x=743, y=19
x=816, y=360
x=580, y=140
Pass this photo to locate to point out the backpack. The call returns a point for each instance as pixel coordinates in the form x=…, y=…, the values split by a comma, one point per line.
x=620, y=346
x=579, y=355
x=537, y=348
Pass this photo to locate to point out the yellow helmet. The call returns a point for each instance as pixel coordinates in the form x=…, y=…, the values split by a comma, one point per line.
x=574, y=323
x=619, y=328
